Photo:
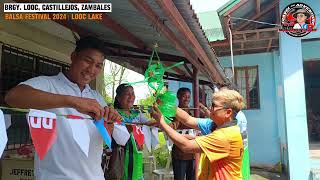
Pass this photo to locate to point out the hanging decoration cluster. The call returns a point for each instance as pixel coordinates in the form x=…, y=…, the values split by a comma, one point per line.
x=153, y=75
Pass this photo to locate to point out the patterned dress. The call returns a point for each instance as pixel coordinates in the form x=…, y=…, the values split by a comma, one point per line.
x=133, y=165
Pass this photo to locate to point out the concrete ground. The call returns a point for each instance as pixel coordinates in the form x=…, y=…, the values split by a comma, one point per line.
x=260, y=174
x=256, y=174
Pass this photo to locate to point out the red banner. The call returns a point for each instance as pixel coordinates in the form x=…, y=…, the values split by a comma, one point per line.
x=138, y=135
x=43, y=134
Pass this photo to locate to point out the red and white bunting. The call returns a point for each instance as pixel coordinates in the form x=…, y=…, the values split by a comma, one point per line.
x=42, y=126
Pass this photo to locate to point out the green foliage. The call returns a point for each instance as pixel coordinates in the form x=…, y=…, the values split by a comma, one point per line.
x=114, y=75
x=161, y=153
x=162, y=140
x=148, y=101
x=108, y=99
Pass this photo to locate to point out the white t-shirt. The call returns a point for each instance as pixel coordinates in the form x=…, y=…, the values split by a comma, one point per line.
x=65, y=160
x=242, y=123
x=297, y=26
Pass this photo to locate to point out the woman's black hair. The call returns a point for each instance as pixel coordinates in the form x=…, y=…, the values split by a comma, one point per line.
x=120, y=89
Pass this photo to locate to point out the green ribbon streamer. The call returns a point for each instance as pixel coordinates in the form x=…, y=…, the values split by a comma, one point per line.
x=154, y=77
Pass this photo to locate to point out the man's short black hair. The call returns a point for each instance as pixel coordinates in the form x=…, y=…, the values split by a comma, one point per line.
x=90, y=42
x=182, y=90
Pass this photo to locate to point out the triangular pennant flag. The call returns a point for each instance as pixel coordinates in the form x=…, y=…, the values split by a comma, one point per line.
x=154, y=137
x=147, y=136
x=103, y=131
x=138, y=135
x=168, y=142
x=7, y=120
x=3, y=133
x=120, y=134
x=80, y=134
x=42, y=126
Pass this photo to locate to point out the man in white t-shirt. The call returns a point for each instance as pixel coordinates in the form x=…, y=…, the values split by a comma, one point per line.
x=69, y=93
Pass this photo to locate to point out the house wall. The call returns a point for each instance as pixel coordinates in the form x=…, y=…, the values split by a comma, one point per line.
x=264, y=141
x=309, y=52
x=280, y=109
x=271, y=112
x=267, y=125
x=272, y=99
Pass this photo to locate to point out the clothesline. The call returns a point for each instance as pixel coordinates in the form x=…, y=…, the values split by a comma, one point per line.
x=259, y=22
x=70, y=116
x=27, y=110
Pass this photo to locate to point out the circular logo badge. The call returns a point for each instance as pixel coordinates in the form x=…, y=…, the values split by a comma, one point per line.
x=298, y=20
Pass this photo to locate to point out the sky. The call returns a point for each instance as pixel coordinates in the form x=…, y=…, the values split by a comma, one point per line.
x=142, y=90
x=207, y=5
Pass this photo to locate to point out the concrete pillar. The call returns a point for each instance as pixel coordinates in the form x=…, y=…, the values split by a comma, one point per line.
x=294, y=106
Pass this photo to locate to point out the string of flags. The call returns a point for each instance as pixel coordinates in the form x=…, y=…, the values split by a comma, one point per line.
x=43, y=131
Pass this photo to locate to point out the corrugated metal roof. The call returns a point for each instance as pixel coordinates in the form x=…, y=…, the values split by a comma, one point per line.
x=132, y=20
x=211, y=25
x=191, y=19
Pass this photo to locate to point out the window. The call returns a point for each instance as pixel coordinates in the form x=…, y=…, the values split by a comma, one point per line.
x=247, y=81
x=17, y=65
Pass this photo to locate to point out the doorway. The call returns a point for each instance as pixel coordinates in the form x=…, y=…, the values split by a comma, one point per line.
x=312, y=89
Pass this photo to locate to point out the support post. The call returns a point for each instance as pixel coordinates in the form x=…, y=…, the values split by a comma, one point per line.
x=294, y=106
x=203, y=95
x=195, y=88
